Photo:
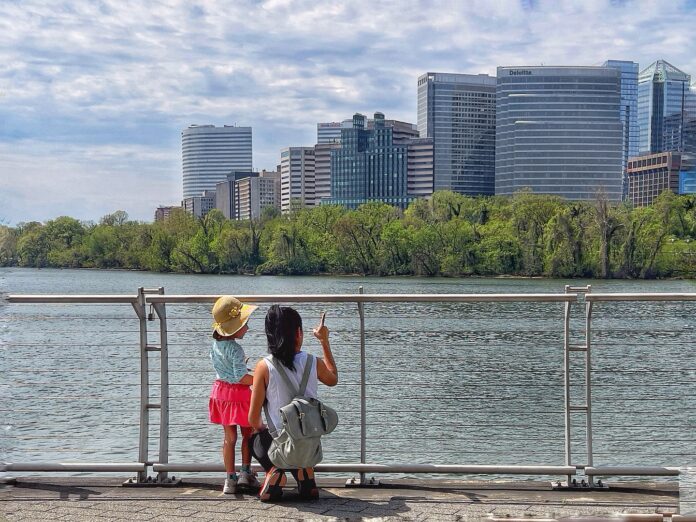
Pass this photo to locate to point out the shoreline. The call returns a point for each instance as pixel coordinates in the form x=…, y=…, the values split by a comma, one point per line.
x=365, y=276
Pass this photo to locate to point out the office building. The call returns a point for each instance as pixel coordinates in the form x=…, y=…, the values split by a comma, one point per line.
x=629, y=112
x=665, y=103
x=322, y=170
x=369, y=166
x=199, y=206
x=687, y=180
x=679, y=133
x=458, y=112
x=209, y=153
x=243, y=195
x=420, y=167
x=226, y=198
x=255, y=193
x=559, y=131
x=652, y=174
x=329, y=132
x=163, y=213
x=296, y=178
x=402, y=132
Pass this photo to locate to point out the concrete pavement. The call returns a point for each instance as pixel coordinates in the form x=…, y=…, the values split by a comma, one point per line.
x=103, y=499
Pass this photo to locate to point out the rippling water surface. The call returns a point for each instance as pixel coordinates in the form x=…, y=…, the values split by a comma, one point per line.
x=446, y=383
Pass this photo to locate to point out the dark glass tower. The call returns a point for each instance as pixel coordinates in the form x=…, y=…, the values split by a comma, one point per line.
x=629, y=111
x=458, y=112
x=666, y=104
x=369, y=166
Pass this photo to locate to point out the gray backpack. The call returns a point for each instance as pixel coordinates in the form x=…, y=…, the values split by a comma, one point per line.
x=297, y=443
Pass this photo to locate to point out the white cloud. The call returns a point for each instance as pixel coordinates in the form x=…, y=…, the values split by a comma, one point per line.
x=94, y=75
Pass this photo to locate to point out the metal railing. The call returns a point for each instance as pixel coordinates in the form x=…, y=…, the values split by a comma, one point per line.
x=158, y=301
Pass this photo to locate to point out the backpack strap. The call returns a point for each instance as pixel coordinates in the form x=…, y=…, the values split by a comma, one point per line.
x=305, y=375
x=278, y=365
x=286, y=380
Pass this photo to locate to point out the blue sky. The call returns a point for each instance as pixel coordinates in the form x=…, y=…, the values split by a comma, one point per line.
x=94, y=94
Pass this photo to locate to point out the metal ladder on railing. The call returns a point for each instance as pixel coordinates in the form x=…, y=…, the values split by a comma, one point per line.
x=145, y=405
x=570, y=408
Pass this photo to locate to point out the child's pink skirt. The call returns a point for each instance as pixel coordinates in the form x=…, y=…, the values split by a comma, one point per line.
x=229, y=404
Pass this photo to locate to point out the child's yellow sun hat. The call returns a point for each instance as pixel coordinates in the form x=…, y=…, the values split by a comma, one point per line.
x=230, y=315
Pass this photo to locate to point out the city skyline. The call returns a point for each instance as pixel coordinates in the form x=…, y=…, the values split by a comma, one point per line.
x=93, y=107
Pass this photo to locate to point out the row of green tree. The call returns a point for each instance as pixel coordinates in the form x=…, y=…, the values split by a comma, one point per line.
x=449, y=234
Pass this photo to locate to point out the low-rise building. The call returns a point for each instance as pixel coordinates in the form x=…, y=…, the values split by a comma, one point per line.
x=245, y=194
x=162, y=213
x=254, y=193
x=199, y=206
x=652, y=174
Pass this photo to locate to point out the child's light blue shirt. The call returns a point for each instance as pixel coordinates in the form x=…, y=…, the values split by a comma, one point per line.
x=228, y=360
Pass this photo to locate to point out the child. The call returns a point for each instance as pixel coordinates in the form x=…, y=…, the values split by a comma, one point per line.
x=231, y=393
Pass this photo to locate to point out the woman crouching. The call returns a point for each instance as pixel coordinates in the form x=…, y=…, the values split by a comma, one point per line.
x=285, y=335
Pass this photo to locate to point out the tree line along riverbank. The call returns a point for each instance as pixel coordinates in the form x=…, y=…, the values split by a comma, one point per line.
x=450, y=235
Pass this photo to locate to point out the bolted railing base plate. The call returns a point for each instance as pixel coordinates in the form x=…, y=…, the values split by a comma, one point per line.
x=579, y=485
x=152, y=482
x=355, y=482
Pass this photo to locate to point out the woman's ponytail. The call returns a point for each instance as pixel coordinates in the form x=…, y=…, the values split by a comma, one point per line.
x=282, y=323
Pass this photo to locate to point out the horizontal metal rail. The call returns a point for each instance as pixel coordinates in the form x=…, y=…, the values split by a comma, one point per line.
x=393, y=468
x=640, y=297
x=631, y=470
x=73, y=466
x=81, y=299
x=373, y=298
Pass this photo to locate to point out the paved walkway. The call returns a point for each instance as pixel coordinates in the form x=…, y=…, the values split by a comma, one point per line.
x=102, y=499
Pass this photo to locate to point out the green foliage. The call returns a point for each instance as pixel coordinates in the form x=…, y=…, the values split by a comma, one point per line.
x=446, y=235
x=8, y=246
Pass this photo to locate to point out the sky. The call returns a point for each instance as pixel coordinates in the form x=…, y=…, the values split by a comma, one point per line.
x=94, y=94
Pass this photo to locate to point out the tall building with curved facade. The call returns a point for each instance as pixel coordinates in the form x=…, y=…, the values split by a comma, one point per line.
x=210, y=153
x=559, y=131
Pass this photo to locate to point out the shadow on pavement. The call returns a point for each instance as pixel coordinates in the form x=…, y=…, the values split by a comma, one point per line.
x=64, y=491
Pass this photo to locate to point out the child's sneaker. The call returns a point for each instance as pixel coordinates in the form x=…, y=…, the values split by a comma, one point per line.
x=230, y=487
x=248, y=480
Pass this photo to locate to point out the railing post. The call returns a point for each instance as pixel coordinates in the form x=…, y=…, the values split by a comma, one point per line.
x=566, y=382
x=363, y=389
x=588, y=381
x=139, y=307
x=161, y=310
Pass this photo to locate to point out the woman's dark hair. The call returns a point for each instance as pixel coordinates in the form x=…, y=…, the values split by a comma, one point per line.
x=282, y=323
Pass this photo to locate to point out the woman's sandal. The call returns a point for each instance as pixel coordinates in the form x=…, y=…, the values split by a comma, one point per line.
x=272, y=488
x=306, y=487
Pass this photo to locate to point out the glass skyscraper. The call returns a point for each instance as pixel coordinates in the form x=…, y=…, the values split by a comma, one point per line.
x=666, y=103
x=559, y=131
x=210, y=153
x=629, y=111
x=458, y=112
x=369, y=166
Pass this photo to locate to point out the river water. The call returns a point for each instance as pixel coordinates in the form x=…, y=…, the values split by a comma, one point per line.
x=446, y=383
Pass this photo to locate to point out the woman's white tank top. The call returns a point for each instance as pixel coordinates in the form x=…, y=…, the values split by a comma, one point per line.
x=276, y=393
